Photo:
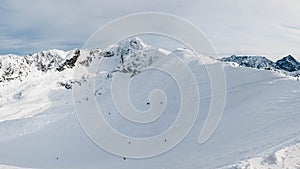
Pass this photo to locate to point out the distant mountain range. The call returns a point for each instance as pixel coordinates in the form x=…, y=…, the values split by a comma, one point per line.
x=13, y=67
x=287, y=65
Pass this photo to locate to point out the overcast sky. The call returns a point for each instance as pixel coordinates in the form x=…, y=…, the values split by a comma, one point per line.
x=261, y=27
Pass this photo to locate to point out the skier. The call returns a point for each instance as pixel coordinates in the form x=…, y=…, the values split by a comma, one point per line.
x=122, y=59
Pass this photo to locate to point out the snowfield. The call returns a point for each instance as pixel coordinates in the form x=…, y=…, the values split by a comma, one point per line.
x=287, y=157
x=39, y=128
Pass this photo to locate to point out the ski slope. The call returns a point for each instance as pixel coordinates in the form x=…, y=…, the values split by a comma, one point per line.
x=39, y=127
x=286, y=157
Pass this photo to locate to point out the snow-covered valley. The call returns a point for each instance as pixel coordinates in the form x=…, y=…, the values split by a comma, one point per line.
x=39, y=126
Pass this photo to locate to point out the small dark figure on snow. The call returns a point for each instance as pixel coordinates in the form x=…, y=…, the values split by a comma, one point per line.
x=122, y=59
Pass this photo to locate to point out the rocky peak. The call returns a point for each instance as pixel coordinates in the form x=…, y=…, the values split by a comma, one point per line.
x=288, y=63
x=259, y=62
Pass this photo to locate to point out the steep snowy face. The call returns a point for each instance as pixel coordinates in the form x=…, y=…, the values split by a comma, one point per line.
x=288, y=63
x=128, y=56
x=46, y=60
x=14, y=67
x=132, y=55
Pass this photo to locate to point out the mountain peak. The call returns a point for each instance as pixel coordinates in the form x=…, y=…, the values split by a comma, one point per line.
x=133, y=43
x=289, y=58
x=288, y=63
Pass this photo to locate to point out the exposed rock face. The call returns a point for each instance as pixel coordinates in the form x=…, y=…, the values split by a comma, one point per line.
x=70, y=62
x=258, y=62
x=288, y=63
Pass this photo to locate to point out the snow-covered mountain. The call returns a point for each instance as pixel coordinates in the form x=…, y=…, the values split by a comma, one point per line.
x=288, y=65
x=126, y=54
x=39, y=127
x=14, y=67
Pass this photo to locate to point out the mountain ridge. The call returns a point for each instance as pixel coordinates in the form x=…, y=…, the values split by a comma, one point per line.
x=287, y=65
x=14, y=67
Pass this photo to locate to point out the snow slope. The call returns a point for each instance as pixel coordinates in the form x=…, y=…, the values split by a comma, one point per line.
x=287, y=157
x=39, y=126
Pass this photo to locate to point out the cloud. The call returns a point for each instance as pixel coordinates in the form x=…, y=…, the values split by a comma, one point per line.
x=266, y=27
